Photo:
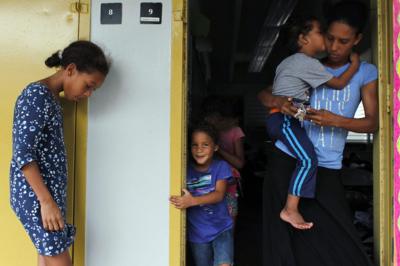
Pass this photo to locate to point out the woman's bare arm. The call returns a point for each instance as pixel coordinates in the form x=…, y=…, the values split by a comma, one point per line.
x=367, y=124
x=270, y=101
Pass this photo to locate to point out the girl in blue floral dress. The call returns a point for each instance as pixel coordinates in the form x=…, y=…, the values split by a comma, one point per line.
x=38, y=174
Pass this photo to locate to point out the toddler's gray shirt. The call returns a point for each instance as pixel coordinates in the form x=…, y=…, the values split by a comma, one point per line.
x=296, y=74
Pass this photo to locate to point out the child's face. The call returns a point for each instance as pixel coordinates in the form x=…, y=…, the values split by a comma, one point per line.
x=80, y=85
x=203, y=148
x=316, y=38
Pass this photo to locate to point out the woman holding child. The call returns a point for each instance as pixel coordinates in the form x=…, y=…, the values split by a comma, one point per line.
x=333, y=239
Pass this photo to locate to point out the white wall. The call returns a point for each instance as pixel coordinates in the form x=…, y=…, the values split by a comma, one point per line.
x=127, y=217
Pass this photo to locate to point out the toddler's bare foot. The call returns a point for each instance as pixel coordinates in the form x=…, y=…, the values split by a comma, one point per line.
x=295, y=219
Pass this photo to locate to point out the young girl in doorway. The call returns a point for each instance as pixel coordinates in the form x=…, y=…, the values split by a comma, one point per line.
x=209, y=224
x=294, y=77
x=38, y=173
x=219, y=113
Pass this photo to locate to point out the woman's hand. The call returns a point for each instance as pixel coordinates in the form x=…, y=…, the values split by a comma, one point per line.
x=182, y=202
x=284, y=104
x=286, y=107
x=51, y=216
x=322, y=117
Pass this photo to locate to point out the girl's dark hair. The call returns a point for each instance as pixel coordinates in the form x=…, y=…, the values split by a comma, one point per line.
x=352, y=13
x=87, y=56
x=302, y=25
x=206, y=128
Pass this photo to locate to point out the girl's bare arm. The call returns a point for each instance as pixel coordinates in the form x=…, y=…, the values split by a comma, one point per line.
x=51, y=214
x=236, y=159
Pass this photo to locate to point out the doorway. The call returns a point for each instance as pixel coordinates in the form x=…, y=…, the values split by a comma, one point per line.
x=224, y=55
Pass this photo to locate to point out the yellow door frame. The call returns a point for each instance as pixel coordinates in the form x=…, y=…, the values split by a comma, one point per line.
x=81, y=122
x=383, y=150
x=177, y=220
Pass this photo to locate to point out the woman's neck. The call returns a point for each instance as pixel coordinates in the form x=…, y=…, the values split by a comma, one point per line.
x=333, y=64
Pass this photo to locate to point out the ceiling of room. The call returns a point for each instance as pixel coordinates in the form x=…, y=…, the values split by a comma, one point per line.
x=240, y=37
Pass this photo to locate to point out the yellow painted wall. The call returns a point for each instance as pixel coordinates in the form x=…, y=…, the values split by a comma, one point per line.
x=31, y=31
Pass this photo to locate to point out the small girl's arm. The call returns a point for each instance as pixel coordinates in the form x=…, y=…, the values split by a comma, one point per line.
x=187, y=200
x=237, y=159
x=341, y=81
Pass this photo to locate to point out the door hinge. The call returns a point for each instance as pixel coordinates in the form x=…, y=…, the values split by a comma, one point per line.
x=79, y=8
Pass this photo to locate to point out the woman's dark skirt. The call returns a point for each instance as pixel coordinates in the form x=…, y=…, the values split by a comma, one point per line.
x=333, y=240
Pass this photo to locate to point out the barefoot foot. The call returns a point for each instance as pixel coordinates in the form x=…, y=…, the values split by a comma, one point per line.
x=295, y=219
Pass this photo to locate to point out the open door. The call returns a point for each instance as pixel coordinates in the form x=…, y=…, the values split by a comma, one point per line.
x=32, y=30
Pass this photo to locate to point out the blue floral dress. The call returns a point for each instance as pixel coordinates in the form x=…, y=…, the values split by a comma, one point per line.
x=38, y=136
